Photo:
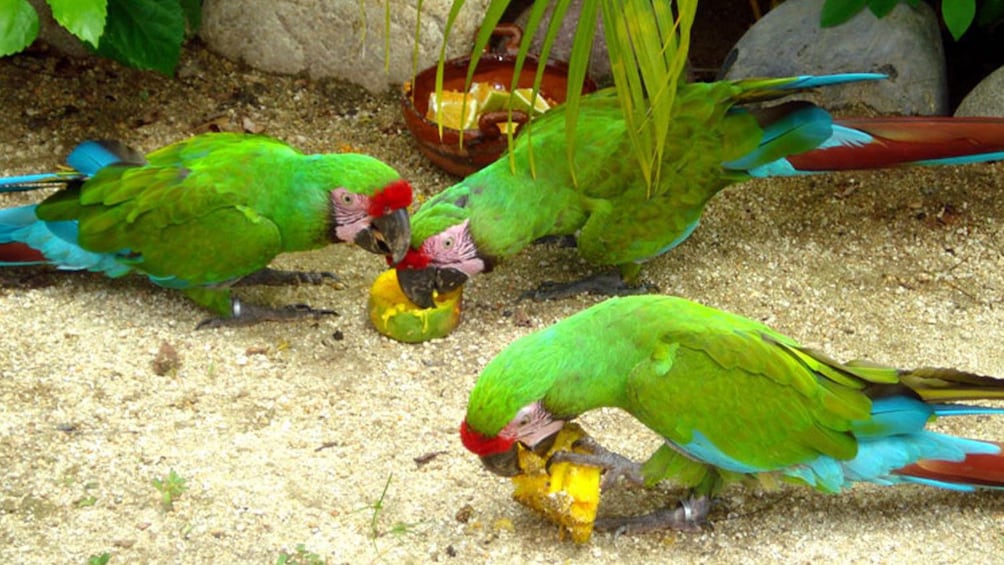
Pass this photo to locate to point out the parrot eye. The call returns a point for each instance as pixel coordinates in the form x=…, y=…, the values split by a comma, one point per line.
x=347, y=198
x=448, y=243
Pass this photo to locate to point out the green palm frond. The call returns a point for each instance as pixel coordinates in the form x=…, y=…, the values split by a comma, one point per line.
x=648, y=45
x=647, y=41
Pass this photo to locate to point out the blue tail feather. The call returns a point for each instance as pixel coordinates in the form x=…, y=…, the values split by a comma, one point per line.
x=965, y=159
x=814, y=81
x=89, y=157
x=57, y=241
x=801, y=130
x=893, y=438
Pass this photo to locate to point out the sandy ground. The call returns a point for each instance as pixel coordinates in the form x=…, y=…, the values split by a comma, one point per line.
x=324, y=435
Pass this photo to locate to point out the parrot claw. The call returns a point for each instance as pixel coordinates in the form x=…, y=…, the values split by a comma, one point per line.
x=689, y=516
x=614, y=465
x=278, y=277
x=249, y=314
x=606, y=284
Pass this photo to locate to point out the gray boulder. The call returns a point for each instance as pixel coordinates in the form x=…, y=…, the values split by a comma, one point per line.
x=599, y=61
x=985, y=99
x=340, y=38
x=905, y=44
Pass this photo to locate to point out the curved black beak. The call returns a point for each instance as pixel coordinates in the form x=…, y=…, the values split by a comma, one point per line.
x=389, y=234
x=505, y=464
x=419, y=285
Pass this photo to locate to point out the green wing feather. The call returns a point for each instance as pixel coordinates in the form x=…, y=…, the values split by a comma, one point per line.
x=160, y=215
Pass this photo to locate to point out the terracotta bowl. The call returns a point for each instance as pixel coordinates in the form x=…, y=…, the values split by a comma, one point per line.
x=486, y=143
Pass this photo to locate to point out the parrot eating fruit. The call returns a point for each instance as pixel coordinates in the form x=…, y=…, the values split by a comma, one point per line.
x=603, y=200
x=204, y=214
x=733, y=401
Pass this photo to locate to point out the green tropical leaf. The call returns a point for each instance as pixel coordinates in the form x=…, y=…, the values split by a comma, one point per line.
x=83, y=18
x=19, y=27
x=536, y=16
x=958, y=16
x=881, y=8
x=145, y=34
x=193, y=14
x=836, y=12
x=647, y=41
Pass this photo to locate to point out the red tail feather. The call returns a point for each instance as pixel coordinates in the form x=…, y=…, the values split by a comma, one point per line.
x=19, y=253
x=975, y=470
x=902, y=140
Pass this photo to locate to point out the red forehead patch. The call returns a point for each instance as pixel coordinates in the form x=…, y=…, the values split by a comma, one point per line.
x=394, y=196
x=482, y=445
x=412, y=260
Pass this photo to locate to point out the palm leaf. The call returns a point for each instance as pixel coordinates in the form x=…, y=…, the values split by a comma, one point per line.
x=647, y=41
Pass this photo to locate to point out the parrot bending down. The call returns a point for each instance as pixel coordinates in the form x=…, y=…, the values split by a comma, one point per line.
x=621, y=222
x=733, y=400
x=203, y=214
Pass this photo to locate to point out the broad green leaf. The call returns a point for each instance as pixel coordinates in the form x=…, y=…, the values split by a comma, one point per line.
x=836, y=12
x=145, y=34
x=193, y=13
x=881, y=8
x=958, y=15
x=83, y=18
x=18, y=27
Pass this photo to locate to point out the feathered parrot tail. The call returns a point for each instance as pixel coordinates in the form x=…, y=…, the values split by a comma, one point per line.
x=19, y=254
x=800, y=138
x=41, y=180
x=86, y=159
x=27, y=240
x=983, y=464
x=977, y=470
x=872, y=143
x=764, y=89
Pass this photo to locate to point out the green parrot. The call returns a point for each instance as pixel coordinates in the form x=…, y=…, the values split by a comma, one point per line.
x=617, y=219
x=203, y=214
x=733, y=400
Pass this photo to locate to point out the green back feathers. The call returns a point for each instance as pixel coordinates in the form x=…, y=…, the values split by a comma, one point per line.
x=680, y=367
x=257, y=194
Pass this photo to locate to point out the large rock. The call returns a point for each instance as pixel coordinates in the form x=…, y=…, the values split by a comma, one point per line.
x=561, y=50
x=336, y=38
x=905, y=44
x=985, y=99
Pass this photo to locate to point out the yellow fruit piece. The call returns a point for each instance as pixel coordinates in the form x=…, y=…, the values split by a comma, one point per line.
x=491, y=97
x=454, y=110
x=460, y=110
x=569, y=495
x=397, y=317
x=508, y=127
x=521, y=101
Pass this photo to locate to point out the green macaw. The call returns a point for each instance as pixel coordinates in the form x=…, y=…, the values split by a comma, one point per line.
x=618, y=220
x=205, y=213
x=733, y=400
